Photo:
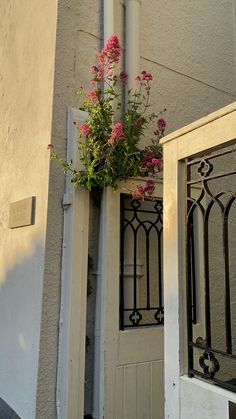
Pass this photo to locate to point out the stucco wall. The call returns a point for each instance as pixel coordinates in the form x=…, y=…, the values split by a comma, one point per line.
x=201, y=400
x=79, y=36
x=189, y=46
x=27, y=45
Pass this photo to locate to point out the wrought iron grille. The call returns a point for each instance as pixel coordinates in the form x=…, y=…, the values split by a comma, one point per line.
x=141, y=286
x=211, y=266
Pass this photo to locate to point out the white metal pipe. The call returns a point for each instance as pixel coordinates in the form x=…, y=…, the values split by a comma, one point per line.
x=132, y=59
x=108, y=28
x=108, y=18
x=132, y=68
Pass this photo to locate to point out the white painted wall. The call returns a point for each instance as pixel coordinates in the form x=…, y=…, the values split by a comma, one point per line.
x=189, y=46
x=200, y=400
x=27, y=46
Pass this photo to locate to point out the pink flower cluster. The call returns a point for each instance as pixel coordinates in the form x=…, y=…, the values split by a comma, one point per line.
x=108, y=56
x=84, y=129
x=92, y=95
x=141, y=191
x=161, y=126
x=144, y=76
x=117, y=133
x=123, y=76
x=150, y=162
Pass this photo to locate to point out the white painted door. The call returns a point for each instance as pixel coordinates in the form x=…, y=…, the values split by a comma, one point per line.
x=128, y=363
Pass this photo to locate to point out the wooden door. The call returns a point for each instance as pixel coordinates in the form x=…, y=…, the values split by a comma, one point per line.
x=129, y=351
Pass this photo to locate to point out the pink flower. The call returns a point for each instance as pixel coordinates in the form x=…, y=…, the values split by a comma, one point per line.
x=100, y=76
x=137, y=78
x=161, y=124
x=123, y=76
x=92, y=95
x=94, y=69
x=160, y=163
x=149, y=187
x=92, y=83
x=113, y=49
x=150, y=163
x=147, y=160
x=147, y=76
x=117, y=133
x=110, y=53
x=138, y=192
x=84, y=129
x=155, y=162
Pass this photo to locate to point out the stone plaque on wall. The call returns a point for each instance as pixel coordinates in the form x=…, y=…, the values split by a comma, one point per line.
x=22, y=213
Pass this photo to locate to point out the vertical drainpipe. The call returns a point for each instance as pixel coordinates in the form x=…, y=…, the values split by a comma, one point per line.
x=132, y=63
x=98, y=384
x=108, y=18
x=132, y=29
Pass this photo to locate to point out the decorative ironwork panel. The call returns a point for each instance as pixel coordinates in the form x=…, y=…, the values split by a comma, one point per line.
x=141, y=278
x=211, y=266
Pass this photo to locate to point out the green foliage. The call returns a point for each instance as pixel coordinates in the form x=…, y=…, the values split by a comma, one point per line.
x=110, y=150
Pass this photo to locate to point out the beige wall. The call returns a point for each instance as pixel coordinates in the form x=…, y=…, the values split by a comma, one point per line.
x=79, y=36
x=27, y=47
x=189, y=46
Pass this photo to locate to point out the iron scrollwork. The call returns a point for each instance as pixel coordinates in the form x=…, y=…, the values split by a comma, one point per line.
x=141, y=225
x=211, y=213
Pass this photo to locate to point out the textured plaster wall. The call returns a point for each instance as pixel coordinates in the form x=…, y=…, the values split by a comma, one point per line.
x=79, y=36
x=189, y=46
x=201, y=400
x=27, y=46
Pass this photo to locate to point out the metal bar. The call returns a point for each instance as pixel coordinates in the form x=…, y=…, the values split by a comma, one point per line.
x=160, y=269
x=147, y=271
x=193, y=276
x=227, y=283
x=122, y=249
x=135, y=269
x=189, y=280
x=211, y=156
x=217, y=176
x=207, y=282
x=139, y=210
x=221, y=383
x=217, y=351
x=143, y=309
x=144, y=325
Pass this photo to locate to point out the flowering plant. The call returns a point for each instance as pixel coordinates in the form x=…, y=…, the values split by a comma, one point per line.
x=110, y=149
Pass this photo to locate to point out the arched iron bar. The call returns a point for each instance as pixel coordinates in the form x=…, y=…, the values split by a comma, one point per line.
x=128, y=224
x=226, y=212
x=136, y=211
x=196, y=202
x=210, y=205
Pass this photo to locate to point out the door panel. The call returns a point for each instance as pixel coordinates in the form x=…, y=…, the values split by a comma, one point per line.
x=131, y=361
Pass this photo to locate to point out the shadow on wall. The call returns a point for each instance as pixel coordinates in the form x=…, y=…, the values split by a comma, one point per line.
x=20, y=318
x=6, y=412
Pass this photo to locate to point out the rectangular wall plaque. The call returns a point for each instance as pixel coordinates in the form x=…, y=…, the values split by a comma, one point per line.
x=22, y=213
